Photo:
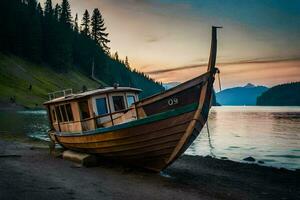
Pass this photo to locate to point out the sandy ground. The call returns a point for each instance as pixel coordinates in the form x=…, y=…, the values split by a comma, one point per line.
x=37, y=175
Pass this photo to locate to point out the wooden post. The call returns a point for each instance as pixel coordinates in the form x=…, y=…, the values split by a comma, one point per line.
x=109, y=109
x=50, y=117
x=95, y=120
x=136, y=111
x=126, y=103
x=58, y=125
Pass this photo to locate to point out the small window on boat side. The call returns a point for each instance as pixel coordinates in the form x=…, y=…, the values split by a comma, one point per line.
x=69, y=112
x=63, y=112
x=58, y=114
x=119, y=103
x=130, y=100
x=101, y=106
x=84, y=109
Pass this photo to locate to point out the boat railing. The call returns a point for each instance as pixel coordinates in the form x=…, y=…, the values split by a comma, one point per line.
x=60, y=93
x=113, y=113
x=95, y=117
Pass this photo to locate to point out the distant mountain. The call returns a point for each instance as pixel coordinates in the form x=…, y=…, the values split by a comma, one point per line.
x=170, y=85
x=239, y=96
x=281, y=95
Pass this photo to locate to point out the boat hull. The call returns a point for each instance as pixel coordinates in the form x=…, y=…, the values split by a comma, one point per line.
x=155, y=141
x=149, y=145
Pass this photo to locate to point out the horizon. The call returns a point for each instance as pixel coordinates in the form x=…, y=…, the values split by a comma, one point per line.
x=259, y=43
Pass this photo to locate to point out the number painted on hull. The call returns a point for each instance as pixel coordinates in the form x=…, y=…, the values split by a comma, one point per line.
x=172, y=101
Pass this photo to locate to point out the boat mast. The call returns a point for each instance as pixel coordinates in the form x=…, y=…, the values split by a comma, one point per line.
x=213, y=49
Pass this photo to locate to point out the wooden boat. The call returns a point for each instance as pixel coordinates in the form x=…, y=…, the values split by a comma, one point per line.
x=150, y=133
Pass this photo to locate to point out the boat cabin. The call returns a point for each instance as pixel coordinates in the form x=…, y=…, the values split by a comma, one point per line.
x=92, y=109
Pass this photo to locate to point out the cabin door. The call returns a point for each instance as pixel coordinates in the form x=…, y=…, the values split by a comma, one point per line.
x=100, y=108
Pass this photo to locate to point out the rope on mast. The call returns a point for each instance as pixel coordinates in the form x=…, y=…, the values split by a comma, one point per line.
x=219, y=80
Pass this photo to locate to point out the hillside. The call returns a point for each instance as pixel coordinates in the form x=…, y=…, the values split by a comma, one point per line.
x=17, y=75
x=239, y=96
x=281, y=95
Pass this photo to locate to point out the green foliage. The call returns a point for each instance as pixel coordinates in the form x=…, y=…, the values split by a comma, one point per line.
x=65, y=14
x=48, y=9
x=40, y=11
x=98, y=30
x=85, y=25
x=281, y=95
x=17, y=75
x=76, y=27
x=57, y=12
x=49, y=37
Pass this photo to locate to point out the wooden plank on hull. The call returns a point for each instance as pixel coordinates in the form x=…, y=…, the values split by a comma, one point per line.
x=131, y=141
x=125, y=135
x=135, y=146
x=138, y=151
x=133, y=131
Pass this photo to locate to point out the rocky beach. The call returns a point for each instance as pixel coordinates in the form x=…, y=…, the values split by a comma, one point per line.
x=28, y=171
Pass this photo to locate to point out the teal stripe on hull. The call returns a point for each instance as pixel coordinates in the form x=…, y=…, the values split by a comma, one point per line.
x=147, y=120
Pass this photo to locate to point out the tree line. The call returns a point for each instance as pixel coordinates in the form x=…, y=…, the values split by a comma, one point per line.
x=49, y=35
x=281, y=95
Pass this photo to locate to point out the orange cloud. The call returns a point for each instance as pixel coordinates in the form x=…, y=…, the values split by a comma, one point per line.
x=262, y=72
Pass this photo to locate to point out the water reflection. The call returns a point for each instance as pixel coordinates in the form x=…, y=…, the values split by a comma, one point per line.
x=28, y=123
x=211, y=147
x=269, y=134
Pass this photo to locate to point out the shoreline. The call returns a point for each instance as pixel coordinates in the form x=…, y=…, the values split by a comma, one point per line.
x=35, y=174
x=7, y=106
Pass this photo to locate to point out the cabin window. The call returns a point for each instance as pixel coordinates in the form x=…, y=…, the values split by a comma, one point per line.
x=130, y=100
x=58, y=114
x=69, y=112
x=84, y=109
x=119, y=103
x=63, y=113
x=101, y=106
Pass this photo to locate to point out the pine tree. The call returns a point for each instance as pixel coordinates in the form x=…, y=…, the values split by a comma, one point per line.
x=127, y=63
x=116, y=56
x=98, y=30
x=57, y=11
x=65, y=15
x=32, y=4
x=32, y=32
x=85, y=24
x=76, y=28
x=40, y=10
x=48, y=9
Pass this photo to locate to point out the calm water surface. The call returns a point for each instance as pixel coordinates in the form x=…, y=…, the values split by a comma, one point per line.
x=269, y=134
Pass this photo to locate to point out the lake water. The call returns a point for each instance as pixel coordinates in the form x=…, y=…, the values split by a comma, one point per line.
x=269, y=134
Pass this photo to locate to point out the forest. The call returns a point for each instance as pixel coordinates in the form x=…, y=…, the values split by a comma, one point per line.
x=48, y=35
x=281, y=95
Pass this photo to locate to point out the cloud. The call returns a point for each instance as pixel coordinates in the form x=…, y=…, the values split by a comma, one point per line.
x=185, y=67
x=155, y=38
x=152, y=39
x=175, y=69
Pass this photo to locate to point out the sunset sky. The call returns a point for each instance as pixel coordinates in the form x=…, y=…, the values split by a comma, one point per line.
x=170, y=39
